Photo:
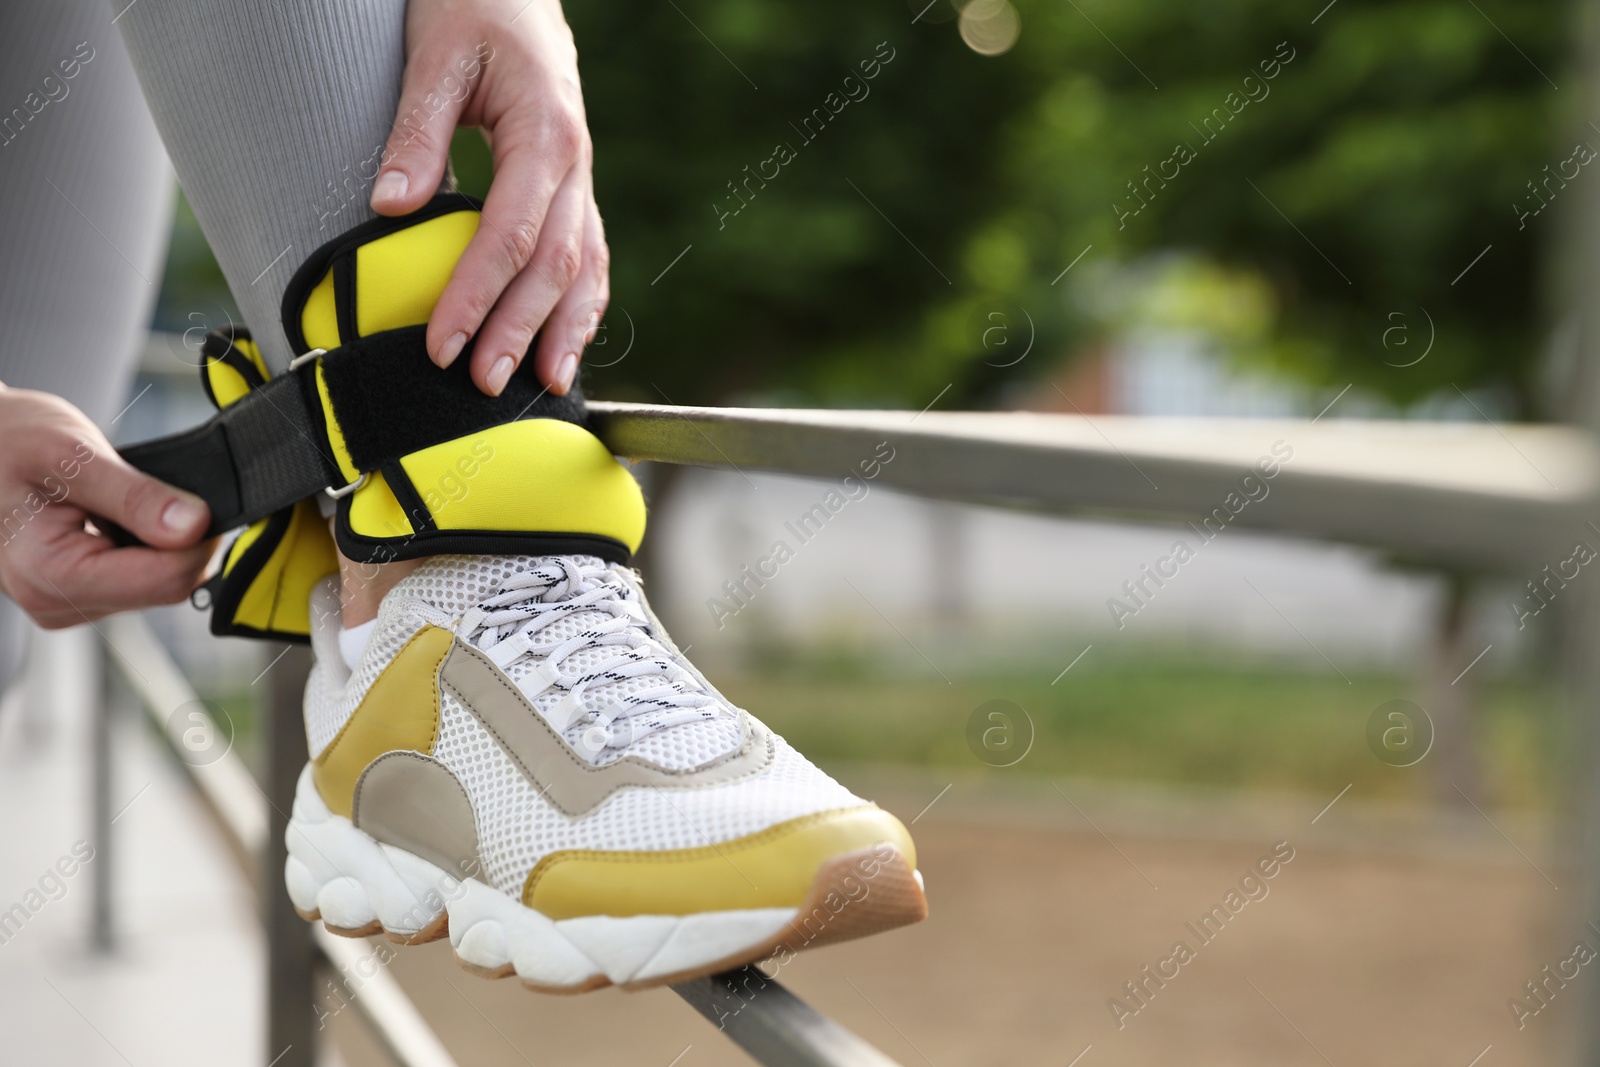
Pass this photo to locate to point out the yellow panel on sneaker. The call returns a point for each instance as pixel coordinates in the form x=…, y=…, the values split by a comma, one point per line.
x=400, y=711
x=775, y=868
x=618, y=820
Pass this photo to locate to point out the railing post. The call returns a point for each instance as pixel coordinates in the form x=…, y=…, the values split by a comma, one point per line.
x=103, y=689
x=291, y=1038
x=1449, y=694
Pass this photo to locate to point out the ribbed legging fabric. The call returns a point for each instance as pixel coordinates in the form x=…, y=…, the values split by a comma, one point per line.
x=85, y=205
x=273, y=114
x=85, y=208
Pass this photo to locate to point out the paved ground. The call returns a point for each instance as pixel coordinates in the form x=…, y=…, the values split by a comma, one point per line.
x=187, y=977
x=1389, y=938
x=1380, y=942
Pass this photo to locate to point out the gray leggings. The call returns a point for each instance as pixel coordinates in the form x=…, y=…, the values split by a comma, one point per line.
x=273, y=113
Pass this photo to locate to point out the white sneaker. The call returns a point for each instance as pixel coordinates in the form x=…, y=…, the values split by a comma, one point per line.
x=523, y=759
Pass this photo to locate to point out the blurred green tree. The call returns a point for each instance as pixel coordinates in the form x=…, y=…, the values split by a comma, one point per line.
x=807, y=291
x=1386, y=154
x=1394, y=146
x=860, y=262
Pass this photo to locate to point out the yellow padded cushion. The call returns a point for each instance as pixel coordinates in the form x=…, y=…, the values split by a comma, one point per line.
x=319, y=321
x=251, y=534
x=227, y=384
x=253, y=354
x=529, y=475
x=375, y=512
x=278, y=596
x=399, y=277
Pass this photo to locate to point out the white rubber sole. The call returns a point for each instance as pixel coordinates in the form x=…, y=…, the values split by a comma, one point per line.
x=358, y=887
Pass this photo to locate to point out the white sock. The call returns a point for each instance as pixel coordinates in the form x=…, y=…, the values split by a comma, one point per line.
x=353, y=642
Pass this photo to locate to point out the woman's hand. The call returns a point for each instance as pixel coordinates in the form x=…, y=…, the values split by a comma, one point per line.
x=539, y=257
x=57, y=470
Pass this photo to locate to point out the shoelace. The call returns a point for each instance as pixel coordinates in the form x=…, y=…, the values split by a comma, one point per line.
x=505, y=626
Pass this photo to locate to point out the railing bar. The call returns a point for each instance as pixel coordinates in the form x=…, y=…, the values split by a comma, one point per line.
x=1452, y=495
x=389, y=1013
x=230, y=792
x=102, y=928
x=773, y=1025
x=292, y=956
x=226, y=785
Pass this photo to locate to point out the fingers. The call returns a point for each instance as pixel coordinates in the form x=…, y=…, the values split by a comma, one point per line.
x=576, y=316
x=556, y=263
x=73, y=576
x=55, y=455
x=153, y=511
x=531, y=164
x=56, y=469
x=432, y=96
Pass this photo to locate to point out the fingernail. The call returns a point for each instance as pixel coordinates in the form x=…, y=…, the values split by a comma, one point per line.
x=566, y=370
x=500, y=374
x=451, y=348
x=391, y=185
x=182, y=515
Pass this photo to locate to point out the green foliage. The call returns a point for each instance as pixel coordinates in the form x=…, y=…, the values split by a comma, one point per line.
x=1383, y=158
x=1150, y=716
x=1395, y=141
x=808, y=290
x=194, y=295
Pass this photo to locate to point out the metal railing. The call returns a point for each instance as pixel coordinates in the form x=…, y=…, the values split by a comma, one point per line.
x=247, y=817
x=1459, y=498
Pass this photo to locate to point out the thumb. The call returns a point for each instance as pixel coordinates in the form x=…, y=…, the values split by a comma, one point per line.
x=432, y=96
x=159, y=514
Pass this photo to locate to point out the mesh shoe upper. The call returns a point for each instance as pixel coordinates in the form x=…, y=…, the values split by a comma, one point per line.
x=576, y=636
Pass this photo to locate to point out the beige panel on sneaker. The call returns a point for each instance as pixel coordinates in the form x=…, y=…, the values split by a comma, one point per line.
x=552, y=767
x=412, y=801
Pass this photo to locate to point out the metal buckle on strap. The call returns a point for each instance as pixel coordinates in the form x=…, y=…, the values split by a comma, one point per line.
x=344, y=491
x=302, y=360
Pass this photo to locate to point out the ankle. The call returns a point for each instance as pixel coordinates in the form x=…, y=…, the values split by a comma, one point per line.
x=362, y=587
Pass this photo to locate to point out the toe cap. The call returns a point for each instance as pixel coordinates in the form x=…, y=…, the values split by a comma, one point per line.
x=774, y=868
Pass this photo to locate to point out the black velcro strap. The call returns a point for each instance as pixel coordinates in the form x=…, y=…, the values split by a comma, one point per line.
x=269, y=449
x=391, y=399
x=250, y=459
x=198, y=460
